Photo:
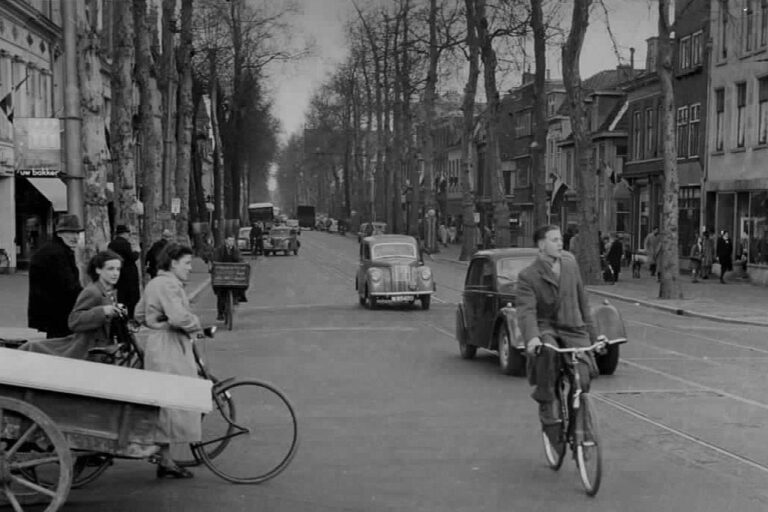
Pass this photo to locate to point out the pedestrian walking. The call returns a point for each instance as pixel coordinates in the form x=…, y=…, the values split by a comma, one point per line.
x=652, y=246
x=165, y=310
x=154, y=252
x=696, y=257
x=724, y=254
x=54, y=280
x=613, y=258
x=257, y=242
x=707, y=255
x=128, y=286
x=91, y=319
x=227, y=253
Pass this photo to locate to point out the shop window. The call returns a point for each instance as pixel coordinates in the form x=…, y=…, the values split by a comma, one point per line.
x=762, y=111
x=741, y=114
x=758, y=228
x=719, y=118
x=693, y=130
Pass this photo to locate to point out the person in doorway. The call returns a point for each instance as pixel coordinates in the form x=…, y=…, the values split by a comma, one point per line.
x=54, y=280
x=227, y=253
x=154, y=252
x=696, y=256
x=128, y=287
x=725, y=254
x=707, y=255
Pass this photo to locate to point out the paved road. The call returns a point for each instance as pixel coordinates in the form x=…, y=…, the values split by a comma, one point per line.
x=393, y=420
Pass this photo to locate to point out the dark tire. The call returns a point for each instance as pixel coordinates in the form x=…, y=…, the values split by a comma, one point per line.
x=511, y=361
x=265, y=434
x=216, y=430
x=426, y=300
x=229, y=310
x=371, y=301
x=589, y=461
x=361, y=299
x=37, y=453
x=608, y=362
x=465, y=350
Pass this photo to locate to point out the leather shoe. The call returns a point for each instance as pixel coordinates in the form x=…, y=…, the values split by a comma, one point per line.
x=173, y=472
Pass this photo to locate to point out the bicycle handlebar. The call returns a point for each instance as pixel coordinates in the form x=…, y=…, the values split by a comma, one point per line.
x=595, y=346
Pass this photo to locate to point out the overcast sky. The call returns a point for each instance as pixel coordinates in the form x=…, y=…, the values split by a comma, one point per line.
x=631, y=21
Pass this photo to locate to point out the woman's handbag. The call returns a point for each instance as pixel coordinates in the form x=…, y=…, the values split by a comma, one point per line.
x=716, y=268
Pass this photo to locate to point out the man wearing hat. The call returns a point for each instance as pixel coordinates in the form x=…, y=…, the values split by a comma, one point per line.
x=54, y=281
x=128, y=285
x=154, y=252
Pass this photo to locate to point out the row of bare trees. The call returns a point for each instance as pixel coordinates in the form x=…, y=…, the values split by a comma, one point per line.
x=370, y=123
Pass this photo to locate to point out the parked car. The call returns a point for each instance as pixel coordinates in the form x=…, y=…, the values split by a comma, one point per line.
x=281, y=239
x=486, y=317
x=371, y=229
x=391, y=269
x=244, y=239
x=292, y=223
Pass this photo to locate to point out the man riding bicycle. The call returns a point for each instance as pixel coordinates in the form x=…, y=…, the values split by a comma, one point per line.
x=553, y=308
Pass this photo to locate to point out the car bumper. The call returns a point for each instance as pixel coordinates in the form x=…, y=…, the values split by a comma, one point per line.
x=401, y=294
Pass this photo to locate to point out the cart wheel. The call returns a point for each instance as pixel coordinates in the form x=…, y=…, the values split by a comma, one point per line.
x=32, y=449
x=228, y=307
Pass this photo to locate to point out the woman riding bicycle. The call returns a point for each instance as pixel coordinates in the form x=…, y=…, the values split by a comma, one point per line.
x=553, y=308
x=165, y=310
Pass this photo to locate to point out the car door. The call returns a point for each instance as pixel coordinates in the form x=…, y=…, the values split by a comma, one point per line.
x=479, y=301
x=365, y=251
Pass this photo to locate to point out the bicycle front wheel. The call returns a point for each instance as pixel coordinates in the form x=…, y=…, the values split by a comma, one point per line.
x=264, y=437
x=229, y=309
x=587, y=444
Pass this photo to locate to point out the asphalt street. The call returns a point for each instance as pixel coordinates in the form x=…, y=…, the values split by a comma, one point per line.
x=391, y=419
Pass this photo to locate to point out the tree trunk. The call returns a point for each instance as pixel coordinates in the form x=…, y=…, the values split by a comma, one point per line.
x=587, y=251
x=468, y=106
x=428, y=149
x=538, y=153
x=669, y=287
x=94, y=142
x=150, y=127
x=218, y=161
x=493, y=156
x=184, y=125
x=169, y=82
x=121, y=119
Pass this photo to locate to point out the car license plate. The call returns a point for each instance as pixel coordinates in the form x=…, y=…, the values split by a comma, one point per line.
x=402, y=298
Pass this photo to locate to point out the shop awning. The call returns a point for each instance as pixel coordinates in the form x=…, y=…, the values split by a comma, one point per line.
x=54, y=190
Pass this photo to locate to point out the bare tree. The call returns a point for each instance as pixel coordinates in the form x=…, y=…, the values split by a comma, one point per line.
x=184, y=126
x=539, y=114
x=587, y=251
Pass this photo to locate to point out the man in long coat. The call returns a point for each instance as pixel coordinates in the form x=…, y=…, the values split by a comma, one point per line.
x=128, y=286
x=227, y=253
x=553, y=308
x=54, y=281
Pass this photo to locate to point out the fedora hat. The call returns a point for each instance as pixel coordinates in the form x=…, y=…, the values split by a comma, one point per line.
x=68, y=222
x=122, y=228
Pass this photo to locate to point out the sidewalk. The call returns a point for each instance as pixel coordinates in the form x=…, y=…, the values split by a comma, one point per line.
x=737, y=301
x=14, y=293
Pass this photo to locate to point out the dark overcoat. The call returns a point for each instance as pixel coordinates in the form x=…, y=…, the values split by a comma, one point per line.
x=152, y=256
x=724, y=254
x=54, y=283
x=128, y=287
x=89, y=323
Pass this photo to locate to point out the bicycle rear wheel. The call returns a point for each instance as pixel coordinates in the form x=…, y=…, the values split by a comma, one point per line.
x=588, y=454
x=216, y=431
x=264, y=437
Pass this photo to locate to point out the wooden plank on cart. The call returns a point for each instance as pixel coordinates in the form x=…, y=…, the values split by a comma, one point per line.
x=77, y=377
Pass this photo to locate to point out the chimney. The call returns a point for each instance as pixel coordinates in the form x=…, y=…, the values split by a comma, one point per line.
x=650, y=57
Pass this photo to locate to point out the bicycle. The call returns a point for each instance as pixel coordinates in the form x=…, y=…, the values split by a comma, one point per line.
x=578, y=428
x=5, y=262
x=225, y=423
x=230, y=278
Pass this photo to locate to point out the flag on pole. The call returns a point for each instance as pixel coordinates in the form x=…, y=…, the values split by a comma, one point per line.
x=558, y=193
x=6, y=104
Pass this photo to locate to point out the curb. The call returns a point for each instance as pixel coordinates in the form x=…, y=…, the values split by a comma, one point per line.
x=199, y=289
x=677, y=311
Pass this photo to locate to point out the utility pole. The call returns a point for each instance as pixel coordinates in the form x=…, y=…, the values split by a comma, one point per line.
x=72, y=120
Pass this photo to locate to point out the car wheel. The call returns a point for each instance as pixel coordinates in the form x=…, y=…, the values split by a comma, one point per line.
x=295, y=252
x=511, y=361
x=466, y=351
x=425, y=301
x=372, y=302
x=608, y=362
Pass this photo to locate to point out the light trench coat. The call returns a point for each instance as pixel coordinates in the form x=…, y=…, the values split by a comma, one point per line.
x=164, y=308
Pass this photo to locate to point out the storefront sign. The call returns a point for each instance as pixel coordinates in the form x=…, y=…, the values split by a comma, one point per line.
x=38, y=173
x=38, y=145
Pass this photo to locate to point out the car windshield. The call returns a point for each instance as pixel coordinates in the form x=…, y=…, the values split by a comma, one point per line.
x=508, y=268
x=280, y=232
x=244, y=233
x=393, y=250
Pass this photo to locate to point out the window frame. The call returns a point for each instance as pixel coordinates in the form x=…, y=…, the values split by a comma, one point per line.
x=694, y=121
x=741, y=114
x=719, y=119
x=637, y=135
x=762, y=110
x=650, y=140
x=697, y=48
x=684, y=53
x=681, y=131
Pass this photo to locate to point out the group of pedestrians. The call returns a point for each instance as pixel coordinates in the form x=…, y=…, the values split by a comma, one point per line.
x=76, y=319
x=704, y=254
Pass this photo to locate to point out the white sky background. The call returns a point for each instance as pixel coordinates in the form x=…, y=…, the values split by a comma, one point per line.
x=292, y=84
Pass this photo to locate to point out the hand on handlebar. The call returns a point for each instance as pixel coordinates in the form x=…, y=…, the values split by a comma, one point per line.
x=603, y=341
x=534, y=346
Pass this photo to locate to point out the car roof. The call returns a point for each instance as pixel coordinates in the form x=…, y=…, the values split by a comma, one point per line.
x=379, y=239
x=509, y=252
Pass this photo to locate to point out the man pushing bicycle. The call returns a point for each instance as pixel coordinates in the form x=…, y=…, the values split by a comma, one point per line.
x=553, y=308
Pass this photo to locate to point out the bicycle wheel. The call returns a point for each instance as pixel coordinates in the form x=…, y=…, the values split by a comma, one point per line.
x=555, y=441
x=216, y=431
x=265, y=436
x=588, y=455
x=228, y=310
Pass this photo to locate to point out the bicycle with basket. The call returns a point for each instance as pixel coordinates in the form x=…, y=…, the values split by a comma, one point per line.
x=230, y=278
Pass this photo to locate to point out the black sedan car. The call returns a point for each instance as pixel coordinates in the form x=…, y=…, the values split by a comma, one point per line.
x=486, y=317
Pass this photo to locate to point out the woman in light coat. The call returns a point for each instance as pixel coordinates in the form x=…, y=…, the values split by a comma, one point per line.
x=165, y=310
x=91, y=317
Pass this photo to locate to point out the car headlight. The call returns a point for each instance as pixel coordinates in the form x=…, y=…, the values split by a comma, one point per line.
x=376, y=274
x=426, y=273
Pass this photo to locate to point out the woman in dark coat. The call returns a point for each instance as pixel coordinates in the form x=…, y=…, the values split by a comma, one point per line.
x=54, y=280
x=92, y=314
x=128, y=286
x=724, y=254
